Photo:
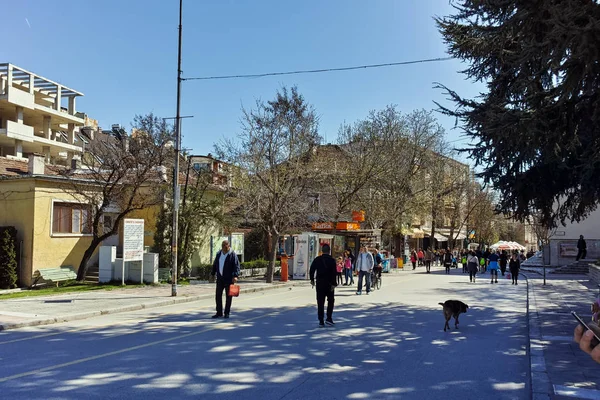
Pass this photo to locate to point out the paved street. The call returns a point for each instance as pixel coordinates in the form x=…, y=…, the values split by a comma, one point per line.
x=387, y=345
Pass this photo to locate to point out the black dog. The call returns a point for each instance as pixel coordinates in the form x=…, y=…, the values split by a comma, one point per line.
x=453, y=308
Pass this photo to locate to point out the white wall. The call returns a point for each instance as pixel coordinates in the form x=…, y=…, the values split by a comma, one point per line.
x=589, y=228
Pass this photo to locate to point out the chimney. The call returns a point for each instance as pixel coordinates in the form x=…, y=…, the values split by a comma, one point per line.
x=75, y=164
x=36, y=164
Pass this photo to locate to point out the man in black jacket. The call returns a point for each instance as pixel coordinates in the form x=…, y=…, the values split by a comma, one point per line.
x=325, y=267
x=581, y=248
x=227, y=268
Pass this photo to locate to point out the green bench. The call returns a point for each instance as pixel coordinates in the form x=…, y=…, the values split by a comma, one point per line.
x=55, y=275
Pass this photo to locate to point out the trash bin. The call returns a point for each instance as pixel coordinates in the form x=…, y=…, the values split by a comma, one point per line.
x=284, y=268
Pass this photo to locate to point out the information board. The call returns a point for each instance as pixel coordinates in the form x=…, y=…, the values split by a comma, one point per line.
x=133, y=240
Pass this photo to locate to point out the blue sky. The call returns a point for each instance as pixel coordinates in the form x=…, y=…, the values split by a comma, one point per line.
x=123, y=56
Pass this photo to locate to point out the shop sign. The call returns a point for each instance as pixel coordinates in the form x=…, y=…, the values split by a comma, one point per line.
x=322, y=226
x=348, y=226
x=358, y=216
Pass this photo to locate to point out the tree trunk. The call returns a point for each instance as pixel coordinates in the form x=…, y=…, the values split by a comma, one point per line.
x=86, y=257
x=433, y=219
x=273, y=239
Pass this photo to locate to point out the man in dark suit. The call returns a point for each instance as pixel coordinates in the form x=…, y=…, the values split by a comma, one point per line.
x=325, y=267
x=227, y=269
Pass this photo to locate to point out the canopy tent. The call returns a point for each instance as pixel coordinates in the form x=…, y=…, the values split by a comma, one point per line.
x=504, y=245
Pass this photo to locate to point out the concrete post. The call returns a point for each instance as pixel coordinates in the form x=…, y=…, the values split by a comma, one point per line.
x=58, y=98
x=46, y=126
x=9, y=77
x=70, y=156
x=71, y=134
x=18, y=148
x=31, y=84
x=19, y=114
x=72, y=105
x=46, y=152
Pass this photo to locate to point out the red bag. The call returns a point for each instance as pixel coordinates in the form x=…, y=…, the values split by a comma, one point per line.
x=234, y=290
x=508, y=276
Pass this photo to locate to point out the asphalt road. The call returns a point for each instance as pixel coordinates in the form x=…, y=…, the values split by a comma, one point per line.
x=388, y=345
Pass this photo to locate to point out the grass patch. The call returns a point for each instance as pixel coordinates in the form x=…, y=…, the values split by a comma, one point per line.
x=68, y=287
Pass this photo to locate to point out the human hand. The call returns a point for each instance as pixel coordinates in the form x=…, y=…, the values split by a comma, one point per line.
x=235, y=279
x=312, y=283
x=585, y=339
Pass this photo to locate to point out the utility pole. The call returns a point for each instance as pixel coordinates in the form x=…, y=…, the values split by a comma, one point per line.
x=174, y=236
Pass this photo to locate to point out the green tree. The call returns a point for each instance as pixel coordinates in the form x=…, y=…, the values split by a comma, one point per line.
x=536, y=129
x=8, y=258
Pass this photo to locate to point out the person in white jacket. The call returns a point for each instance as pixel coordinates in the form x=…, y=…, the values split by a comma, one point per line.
x=364, y=266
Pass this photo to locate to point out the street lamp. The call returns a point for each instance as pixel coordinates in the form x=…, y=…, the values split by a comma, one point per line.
x=176, y=164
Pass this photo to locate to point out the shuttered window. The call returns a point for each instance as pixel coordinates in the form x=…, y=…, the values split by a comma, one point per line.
x=71, y=218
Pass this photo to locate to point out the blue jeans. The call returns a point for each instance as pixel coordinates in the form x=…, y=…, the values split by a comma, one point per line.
x=367, y=276
x=348, y=274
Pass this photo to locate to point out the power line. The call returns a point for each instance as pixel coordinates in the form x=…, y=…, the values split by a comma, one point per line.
x=314, y=71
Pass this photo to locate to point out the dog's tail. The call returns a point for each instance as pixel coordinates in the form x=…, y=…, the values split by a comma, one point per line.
x=441, y=304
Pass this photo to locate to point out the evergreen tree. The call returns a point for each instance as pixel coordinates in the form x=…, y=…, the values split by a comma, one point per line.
x=8, y=259
x=536, y=129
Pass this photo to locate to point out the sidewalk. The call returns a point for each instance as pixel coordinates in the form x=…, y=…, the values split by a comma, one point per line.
x=560, y=370
x=43, y=310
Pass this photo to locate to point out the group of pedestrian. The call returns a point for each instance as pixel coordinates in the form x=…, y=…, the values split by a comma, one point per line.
x=493, y=261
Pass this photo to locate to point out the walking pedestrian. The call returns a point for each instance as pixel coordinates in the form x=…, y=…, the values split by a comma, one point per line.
x=581, y=248
x=364, y=266
x=514, y=266
x=348, y=269
x=428, y=259
x=227, y=269
x=463, y=261
x=413, y=259
x=339, y=268
x=325, y=268
x=447, y=257
x=473, y=265
x=352, y=261
x=420, y=256
x=503, y=262
x=493, y=266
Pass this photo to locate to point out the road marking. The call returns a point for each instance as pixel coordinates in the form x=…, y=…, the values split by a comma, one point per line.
x=213, y=326
x=119, y=323
x=580, y=393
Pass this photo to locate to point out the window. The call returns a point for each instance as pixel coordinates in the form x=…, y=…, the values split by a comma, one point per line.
x=71, y=218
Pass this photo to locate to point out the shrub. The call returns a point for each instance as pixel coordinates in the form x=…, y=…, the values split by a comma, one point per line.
x=8, y=258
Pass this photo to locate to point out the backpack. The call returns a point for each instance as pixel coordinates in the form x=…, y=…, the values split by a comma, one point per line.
x=378, y=259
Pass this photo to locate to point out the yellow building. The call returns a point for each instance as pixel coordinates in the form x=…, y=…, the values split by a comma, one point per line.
x=53, y=227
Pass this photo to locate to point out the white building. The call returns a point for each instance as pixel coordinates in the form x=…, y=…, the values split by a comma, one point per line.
x=563, y=242
x=38, y=115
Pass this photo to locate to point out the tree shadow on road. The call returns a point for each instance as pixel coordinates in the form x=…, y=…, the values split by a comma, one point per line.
x=381, y=351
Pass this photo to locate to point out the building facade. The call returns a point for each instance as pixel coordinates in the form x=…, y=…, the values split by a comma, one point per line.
x=38, y=115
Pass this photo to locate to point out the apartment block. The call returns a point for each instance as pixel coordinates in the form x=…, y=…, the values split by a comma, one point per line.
x=39, y=116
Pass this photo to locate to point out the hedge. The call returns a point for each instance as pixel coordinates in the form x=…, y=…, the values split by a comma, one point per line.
x=203, y=271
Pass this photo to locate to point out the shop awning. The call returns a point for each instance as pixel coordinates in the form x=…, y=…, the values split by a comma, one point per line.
x=440, y=238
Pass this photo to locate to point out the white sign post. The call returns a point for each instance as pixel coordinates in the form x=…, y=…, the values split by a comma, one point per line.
x=133, y=244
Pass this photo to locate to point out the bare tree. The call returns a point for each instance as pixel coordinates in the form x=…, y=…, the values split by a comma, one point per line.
x=119, y=174
x=269, y=160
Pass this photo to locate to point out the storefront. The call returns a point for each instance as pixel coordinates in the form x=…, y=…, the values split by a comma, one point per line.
x=348, y=235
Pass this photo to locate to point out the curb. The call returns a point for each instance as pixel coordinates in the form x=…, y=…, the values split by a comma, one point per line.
x=116, y=310
x=538, y=375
